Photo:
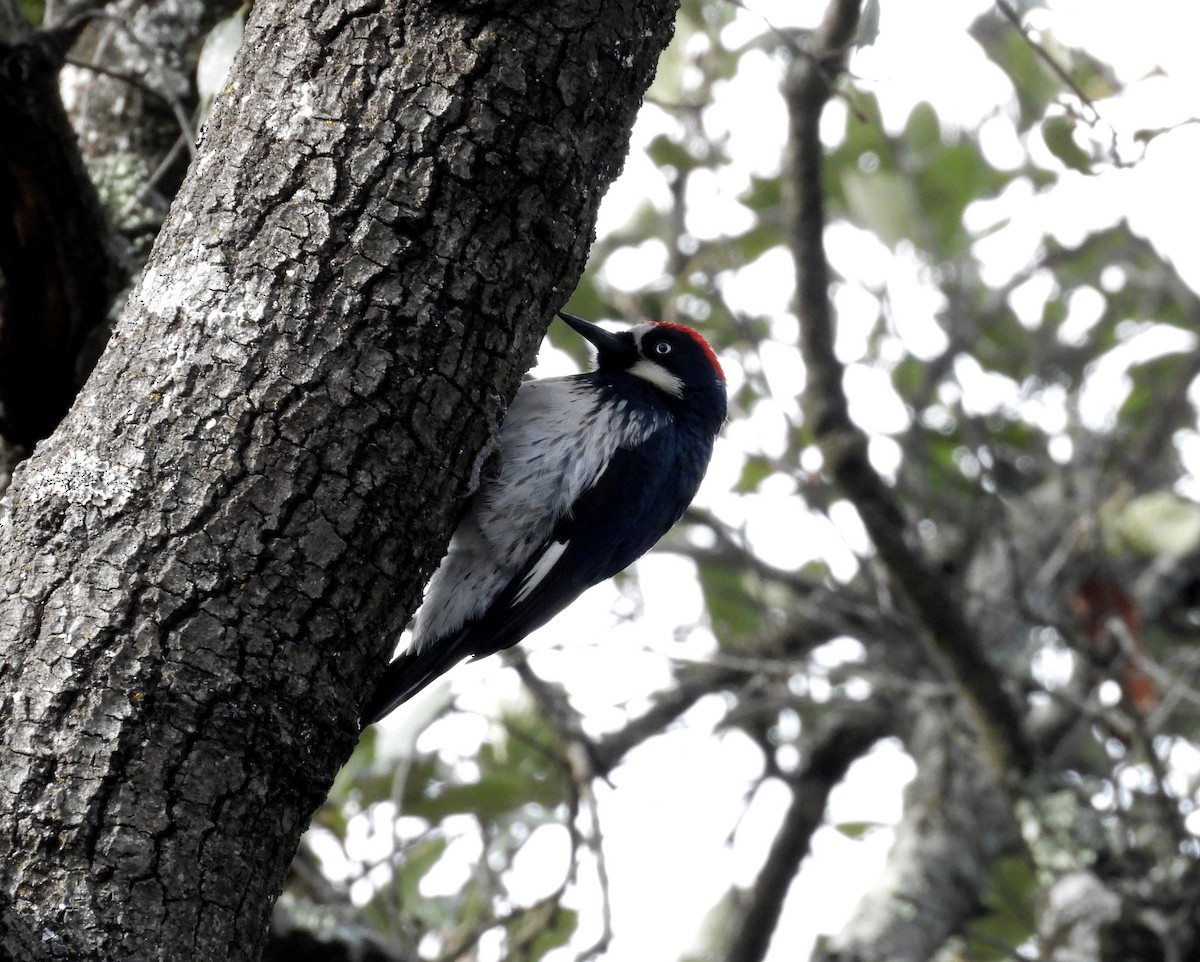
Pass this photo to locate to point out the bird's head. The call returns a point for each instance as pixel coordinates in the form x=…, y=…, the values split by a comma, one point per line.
x=673, y=358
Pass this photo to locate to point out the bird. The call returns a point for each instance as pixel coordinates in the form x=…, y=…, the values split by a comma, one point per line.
x=593, y=469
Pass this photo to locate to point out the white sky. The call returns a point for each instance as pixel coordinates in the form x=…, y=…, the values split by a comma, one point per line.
x=676, y=804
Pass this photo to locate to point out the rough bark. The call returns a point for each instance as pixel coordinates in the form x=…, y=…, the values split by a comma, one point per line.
x=206, y=561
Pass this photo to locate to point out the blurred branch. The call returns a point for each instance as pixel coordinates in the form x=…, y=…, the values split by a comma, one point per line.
x=766, y=660
x=132, y=80
x=949, y=637
x=60, y=29
x=607, y=752
x=153, y=60
x=582, y=765
x=823, y=608
x=601, y=755
x=1092, y=115
x=845, y=737
x=733, y=552
x=957, y=824
x=1010, y=14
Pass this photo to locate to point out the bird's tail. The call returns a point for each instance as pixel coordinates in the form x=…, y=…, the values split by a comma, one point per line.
x=408, y=673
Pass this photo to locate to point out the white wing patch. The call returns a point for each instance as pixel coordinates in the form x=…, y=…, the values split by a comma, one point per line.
x=542, y=567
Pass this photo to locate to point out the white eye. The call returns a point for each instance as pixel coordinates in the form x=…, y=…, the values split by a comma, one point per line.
x=662, y=347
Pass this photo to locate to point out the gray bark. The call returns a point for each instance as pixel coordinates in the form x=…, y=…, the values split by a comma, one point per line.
x=204, y=564
x=150, y=48
x=131, y=95
x=958, y=822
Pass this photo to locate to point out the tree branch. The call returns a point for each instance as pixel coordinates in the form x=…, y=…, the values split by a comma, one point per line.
x=949, y=637
x=57, y=275
x=847, y=735
x=606, y=752
x=957, y=822
x=1012, y=16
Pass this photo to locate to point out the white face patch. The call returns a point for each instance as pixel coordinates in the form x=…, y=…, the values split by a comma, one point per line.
x=657, y=375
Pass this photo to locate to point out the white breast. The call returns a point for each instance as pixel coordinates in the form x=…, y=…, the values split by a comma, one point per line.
x=554, y=444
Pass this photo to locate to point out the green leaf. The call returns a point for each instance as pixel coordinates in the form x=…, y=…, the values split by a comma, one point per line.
x=1156, y=525
x=488, y=798
x=755, y=470
x=764, y=236
x=418, y=858
x=881, y=202
x=909, y=378
x=1145, y=402
x=554, y=935
x=1059, y=135
x=1036, y=86
x=953, y=177
x=1011, y=895
x=764, y=194
x=857, y=830
x=666, y=152
x=923, y=131
x=732, y=609
x=35, y=10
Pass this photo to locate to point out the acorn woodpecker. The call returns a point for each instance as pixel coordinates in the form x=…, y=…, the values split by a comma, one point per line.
x=593, y=470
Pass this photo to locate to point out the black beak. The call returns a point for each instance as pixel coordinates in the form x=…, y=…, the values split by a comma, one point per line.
x=604, y=341
x=610, y=347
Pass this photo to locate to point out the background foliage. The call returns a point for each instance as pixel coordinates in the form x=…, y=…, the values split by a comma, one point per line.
x=1024, y=361
x=1025, y=365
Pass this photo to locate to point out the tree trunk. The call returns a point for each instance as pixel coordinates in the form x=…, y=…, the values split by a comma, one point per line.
x=207, y=560
x=958, y=824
